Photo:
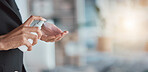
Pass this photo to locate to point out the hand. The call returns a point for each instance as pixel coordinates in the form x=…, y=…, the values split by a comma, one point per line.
x=52, y=33
x=21, y=34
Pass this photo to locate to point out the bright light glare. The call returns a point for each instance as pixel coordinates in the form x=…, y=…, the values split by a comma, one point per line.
x=130, y=22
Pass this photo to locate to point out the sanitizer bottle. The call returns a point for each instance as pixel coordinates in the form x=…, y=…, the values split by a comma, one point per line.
x=39, y=24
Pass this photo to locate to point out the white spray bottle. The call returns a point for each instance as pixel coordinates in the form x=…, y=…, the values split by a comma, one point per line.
x=39, y=24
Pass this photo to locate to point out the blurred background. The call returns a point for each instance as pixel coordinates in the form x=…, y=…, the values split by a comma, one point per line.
x=104, y=36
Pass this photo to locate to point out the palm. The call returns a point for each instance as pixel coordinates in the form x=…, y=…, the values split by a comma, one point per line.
x=50, y=29
x=51, y=33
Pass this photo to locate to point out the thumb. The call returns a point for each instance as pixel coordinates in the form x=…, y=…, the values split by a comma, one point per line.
x=32, y=18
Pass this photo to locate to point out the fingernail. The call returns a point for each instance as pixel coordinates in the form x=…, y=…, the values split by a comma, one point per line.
x=66, y=32
x=63, y=33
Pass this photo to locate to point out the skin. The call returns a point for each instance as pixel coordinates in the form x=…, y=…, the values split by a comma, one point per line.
x=21, y=34
x=52, y=33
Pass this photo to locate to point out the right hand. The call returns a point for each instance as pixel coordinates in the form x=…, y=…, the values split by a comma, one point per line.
x=21, y=34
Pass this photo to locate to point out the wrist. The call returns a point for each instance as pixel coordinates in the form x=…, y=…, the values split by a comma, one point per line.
x=2, y=44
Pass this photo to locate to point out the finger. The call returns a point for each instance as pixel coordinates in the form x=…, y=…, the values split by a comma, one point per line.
x=66, y=32
x=50, y=39
x=28, y=44
x=34, y=29
x=32, y=18
x=62, y=35
x=57, y=37
x=33, y=37
x=46, y=38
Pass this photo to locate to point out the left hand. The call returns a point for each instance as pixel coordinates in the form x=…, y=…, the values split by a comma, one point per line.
x=52, y=33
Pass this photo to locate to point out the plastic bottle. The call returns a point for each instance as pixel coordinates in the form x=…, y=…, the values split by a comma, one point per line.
x=39, y=24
